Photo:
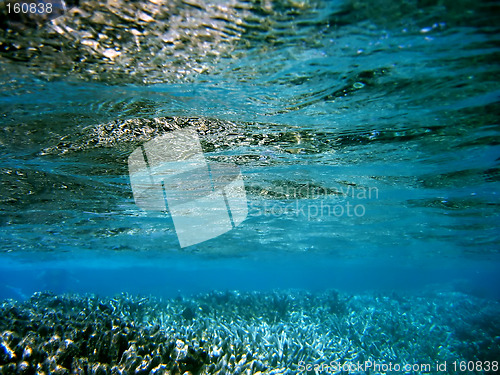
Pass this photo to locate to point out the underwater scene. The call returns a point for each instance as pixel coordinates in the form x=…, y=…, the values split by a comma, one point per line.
x=245, y=187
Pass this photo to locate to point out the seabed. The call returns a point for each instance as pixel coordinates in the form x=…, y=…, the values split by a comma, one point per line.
x=281, y=332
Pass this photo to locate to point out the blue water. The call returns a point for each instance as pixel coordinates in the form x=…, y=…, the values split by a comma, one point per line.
x=390, y=107
x=325, y=95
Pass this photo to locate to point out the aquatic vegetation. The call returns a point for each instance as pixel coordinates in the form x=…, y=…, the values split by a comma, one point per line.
x=240, y=333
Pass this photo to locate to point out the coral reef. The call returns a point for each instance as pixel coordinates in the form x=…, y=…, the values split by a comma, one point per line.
x=240, y=333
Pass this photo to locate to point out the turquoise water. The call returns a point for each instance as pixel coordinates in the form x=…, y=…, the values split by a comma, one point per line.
x=366, y=134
